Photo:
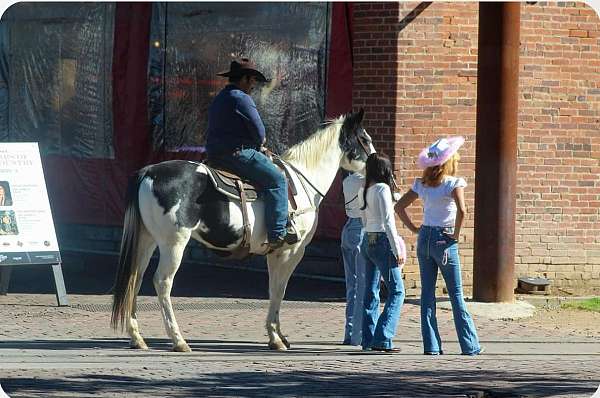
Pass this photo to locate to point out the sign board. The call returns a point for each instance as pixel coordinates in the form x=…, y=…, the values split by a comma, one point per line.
x=27, y=234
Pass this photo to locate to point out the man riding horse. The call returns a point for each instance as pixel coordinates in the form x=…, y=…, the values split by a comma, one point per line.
x=235, y=141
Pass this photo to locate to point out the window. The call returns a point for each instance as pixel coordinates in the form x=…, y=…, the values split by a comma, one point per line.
x=192, y=42
x=55, y=77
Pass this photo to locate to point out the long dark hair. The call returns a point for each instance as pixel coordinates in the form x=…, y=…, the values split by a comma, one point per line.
x=379, y=169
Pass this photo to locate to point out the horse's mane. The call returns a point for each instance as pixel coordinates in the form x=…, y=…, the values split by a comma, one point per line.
x=310, y=151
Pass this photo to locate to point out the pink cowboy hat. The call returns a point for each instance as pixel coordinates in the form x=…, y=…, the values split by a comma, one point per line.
x=439, y=152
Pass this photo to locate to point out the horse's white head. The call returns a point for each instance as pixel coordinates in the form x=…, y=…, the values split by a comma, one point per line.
x=355, y=143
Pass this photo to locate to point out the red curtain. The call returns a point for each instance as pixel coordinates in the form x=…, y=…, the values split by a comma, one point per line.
x=339, y=101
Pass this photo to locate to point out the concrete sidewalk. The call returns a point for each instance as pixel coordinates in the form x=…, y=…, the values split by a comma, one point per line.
x=47, y=351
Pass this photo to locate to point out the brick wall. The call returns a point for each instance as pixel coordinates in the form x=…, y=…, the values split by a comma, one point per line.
x=558, y=205
x=433, y=94
x=375, y=71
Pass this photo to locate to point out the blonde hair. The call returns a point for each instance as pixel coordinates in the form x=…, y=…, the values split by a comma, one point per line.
x=433, y=176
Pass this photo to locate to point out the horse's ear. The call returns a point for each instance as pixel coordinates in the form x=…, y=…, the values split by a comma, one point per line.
x=353, y=119
x=360, y=115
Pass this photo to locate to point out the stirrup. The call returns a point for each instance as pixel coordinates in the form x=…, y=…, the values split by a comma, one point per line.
x=292, y=235
x=275, y=245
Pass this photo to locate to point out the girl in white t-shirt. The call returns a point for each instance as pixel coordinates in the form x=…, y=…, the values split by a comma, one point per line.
x=384, y=254
x=354, y=267
x=444, y=209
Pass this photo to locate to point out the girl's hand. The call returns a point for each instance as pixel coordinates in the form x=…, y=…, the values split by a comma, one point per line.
x=400, y=261
x=452, y=236
x=401, y=257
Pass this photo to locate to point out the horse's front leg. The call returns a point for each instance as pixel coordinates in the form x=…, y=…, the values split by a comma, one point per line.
x=281, y=265
x=171, y=254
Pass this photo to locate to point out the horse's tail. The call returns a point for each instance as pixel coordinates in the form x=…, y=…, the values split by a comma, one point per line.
x=127, y=272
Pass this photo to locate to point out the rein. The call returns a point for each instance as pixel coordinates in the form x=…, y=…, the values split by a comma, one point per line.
x=299, y=173
x=351, y=200
x=363, y=146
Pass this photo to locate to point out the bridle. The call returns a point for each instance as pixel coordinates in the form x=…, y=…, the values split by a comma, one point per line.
x=364, y=147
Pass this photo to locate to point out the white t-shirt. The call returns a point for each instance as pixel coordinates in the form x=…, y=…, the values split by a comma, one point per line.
x=439, y=208
x=351, y=185
x=378, y=216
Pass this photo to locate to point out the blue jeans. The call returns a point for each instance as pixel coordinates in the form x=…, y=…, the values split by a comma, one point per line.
x=436, y=250
x=378, y=330
x=254, y=166
x=354, y=269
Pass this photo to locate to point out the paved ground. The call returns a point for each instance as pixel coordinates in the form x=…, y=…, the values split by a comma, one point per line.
x=46, y=351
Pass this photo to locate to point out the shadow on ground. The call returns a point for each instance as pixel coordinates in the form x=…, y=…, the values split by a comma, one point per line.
x=282, y=383
x=87, y=273
x=156, y=345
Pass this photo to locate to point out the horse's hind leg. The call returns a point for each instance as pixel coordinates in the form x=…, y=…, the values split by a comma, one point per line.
x=171, y=253
x=146, y=246
x=280, y=270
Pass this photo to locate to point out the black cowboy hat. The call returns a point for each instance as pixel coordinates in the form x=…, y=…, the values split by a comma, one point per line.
x=243, y=67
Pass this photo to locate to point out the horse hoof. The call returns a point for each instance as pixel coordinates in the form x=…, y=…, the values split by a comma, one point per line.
x=285, y=342
x=138, y=345
x=182, y=347
x=279, y=346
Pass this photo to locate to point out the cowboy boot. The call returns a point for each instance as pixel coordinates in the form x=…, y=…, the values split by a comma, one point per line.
x=292, y=234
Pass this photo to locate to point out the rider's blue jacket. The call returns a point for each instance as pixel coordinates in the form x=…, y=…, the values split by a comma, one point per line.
x=233, y=122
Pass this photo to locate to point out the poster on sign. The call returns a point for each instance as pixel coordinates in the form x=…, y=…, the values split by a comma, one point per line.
x=27, y=234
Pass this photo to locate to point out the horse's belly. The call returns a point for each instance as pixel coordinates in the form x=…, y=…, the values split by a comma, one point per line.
x=220, y=226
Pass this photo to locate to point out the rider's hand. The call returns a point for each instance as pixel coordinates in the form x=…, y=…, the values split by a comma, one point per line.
x=265, y=151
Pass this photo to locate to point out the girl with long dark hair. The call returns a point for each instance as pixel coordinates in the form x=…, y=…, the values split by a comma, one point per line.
x=384, y=253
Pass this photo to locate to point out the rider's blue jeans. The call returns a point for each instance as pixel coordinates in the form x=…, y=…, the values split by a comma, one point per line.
x=254, y=166
x=436, y=250
x=378, y=330
x=354, y=270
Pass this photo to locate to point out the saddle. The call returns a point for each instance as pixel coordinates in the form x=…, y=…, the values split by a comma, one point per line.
x=232, y=185
x=236, y=188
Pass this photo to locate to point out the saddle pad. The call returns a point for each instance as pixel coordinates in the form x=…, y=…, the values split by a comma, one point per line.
x=225, y=183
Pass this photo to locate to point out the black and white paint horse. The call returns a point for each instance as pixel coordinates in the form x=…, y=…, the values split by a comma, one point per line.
x=170, y=202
